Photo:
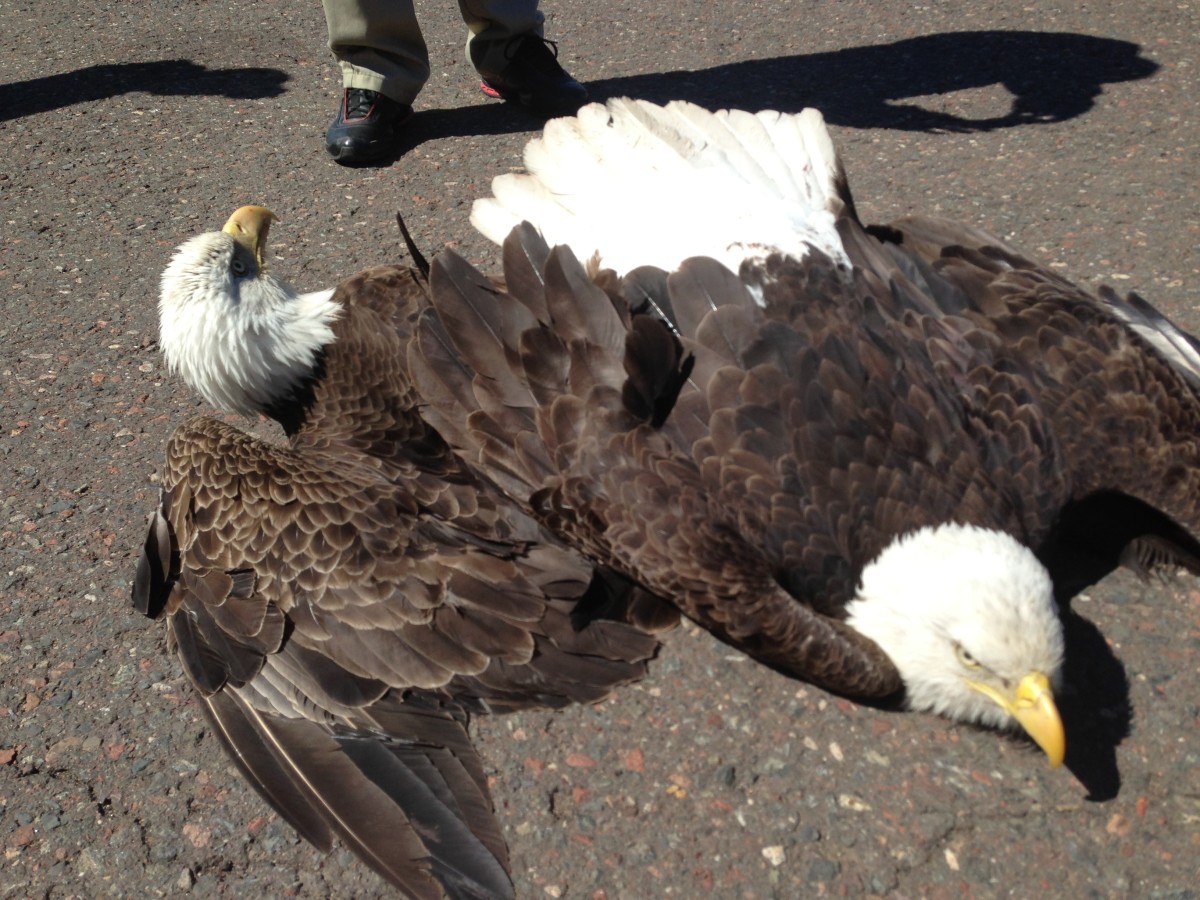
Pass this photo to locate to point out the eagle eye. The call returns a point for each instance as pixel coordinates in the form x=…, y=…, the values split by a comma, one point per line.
x=238, y=266
x=965, y=658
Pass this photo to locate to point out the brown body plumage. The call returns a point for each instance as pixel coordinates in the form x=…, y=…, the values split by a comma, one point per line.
x=344, y=601
x=747, y=444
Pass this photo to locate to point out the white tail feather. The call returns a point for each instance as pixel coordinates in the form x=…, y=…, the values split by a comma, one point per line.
x=642, y=184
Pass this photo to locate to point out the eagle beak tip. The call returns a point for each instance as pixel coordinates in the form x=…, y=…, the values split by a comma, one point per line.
x=1032, y=705
x=1034, y=709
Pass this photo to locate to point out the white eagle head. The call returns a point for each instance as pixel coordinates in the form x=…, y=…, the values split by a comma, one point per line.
x=237, y=334
x=967, y=615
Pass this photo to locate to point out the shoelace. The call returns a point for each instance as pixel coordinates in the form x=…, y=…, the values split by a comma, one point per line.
x=542, y=53
x=359, y=103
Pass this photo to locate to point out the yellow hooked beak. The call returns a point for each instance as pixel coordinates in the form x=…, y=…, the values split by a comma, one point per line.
x=1032, y=705
x=249, y=226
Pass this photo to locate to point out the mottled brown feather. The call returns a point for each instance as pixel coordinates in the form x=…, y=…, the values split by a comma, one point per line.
x=343, y=601
x=945, y=377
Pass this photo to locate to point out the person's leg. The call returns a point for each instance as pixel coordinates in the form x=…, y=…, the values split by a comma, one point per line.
x=506, y=46
x=492, y=24
x=384, y=64
x=378, y=46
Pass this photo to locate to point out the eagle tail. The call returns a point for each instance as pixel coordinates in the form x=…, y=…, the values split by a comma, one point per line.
x=640, y=184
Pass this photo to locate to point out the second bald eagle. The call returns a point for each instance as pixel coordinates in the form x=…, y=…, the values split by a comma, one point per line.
x=870, y=457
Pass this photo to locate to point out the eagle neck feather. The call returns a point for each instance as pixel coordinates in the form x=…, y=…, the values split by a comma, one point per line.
x=937, y=590
x=247, y=345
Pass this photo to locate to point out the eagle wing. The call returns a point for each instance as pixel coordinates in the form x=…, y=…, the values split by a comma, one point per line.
x=629, y=441
x=1114, y=382
x=339, y=636
x=746, y=444
x=363, y=401
x=364, y=404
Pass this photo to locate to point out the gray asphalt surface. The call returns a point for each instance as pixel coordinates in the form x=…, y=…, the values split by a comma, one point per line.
x=1069, y=129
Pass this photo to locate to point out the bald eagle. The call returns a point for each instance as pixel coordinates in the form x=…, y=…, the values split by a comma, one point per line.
x=344, y=600
x=871, y=457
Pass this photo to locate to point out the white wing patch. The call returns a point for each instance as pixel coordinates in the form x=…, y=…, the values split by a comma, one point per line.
x=641, y=184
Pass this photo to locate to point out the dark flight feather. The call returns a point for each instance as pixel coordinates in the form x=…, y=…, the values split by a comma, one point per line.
x=524, y=256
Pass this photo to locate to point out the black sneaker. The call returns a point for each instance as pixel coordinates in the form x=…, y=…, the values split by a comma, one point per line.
x=533, y=78
x=366, y=126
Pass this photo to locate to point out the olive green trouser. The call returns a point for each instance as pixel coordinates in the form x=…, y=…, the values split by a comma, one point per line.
x=379, y=46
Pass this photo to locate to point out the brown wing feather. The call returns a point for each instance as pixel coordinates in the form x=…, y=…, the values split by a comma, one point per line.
x=946, y=377
x=420, y=801
x=265, y=772
x=623, y=469
x=1088, y=366
x=525, y=254
x=340, y=634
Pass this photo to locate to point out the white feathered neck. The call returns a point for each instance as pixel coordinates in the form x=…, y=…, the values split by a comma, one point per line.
x=641, y=184
x=238, y=335
x=957, y=603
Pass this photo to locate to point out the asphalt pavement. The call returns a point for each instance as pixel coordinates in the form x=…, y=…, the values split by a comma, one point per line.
x=1069, y=129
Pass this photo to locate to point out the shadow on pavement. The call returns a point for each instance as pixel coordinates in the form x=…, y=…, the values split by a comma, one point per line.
x=163, y=77
x=1052, y=76
x=1095, y=708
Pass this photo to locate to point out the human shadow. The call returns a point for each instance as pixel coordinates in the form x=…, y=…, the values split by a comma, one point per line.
x=179, y=77
x=1052, y=77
